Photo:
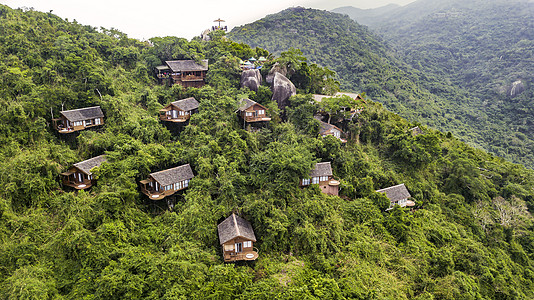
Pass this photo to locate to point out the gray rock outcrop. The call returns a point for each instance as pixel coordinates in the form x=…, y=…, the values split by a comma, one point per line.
x=516, y=89
x=275, y=69
x=251, y=79
x=282, y=89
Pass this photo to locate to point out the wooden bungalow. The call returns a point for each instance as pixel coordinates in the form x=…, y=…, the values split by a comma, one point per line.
x=79, y=176
x=329, y=129
x=165, y=183
x=188, y=73
x=237, y=237
x=179, y=111
x=251, y=111
x=397, y=195
x=322, y=175
x=79, y=119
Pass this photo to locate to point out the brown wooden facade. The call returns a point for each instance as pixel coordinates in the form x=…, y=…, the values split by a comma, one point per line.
x=329, y=129
x=237, y=238
x=186, y=73
x=78, y=119
x=179, y=111
x=79, y=176
x=165, y=183
x=251, y=111
x=322, y=176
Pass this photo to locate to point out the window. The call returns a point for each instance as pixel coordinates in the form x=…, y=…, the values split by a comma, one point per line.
x=182, y=113
x=186, y=183
x=306, y=181
x=315, y=180
x=261, y=112
x=249, y=114
x=78, y=123
x=323, y=178
x=97, y=121
x=337, y=133
x=88, y=123
x=247, y=244
x=168, y=187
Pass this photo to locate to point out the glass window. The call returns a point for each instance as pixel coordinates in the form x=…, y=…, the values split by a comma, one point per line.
x=306, y=181
x=249, y=114
x=97, y=121
x=247, y=244
x=186, y=183
x=315, y=180
x=261, y=112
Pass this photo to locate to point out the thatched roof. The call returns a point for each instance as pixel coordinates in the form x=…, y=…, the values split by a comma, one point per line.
x=322, y=169
x=325, y=128
x=247, y=103
x=187, y=104
x=86, y=165
x=82, y=114
x=187, y=65
x=396, y=193
x=235, y=226
x=174, y=175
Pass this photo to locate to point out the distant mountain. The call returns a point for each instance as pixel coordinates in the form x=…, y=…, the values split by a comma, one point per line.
x=366, y=16
x=365, y=63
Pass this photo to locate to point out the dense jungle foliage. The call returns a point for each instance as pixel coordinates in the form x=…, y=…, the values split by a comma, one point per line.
x=470, y=238
x=458, y=72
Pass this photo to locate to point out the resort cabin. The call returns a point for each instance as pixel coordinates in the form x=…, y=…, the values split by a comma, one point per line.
x=78, y=119
x=251, y=111
x=165, y=183
x=397, y=195
x=416, y=131
x=329, y=129
x=162, y=73
x=179, y=111
x=237, y=237
x=79, y=176
x=188, y=73
x=322, y=175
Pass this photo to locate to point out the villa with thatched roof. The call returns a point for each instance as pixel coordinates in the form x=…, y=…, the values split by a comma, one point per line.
x=322, y=175
x=187, y=73
x=251, y=111
x=236, y=237
x=78, y=119
x=167, y=182
x=179, y=111
x=329, y=129
x=79, y=176
x=397, y=195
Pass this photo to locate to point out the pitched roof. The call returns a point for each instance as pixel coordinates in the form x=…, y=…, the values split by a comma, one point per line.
x=173, y=175
x=325, y=127
x=246, y=104
x=86, y=165
x=321, y=169
x=187, y=65
x=235, y=226
x=187, y=104
x=396, y=192
x=81, y=114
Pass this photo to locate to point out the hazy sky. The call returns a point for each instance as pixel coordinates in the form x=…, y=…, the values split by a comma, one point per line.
x=182, y=18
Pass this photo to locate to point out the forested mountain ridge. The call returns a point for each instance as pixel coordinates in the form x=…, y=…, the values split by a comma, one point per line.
x=363, y=62
x=470, y=238
x=482, y=47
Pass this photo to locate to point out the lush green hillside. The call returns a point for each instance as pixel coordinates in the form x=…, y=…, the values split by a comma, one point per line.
x=471, y=237
x=479, y=46
x=364, y=63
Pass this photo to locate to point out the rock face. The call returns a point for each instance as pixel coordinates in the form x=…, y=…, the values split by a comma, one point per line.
x=251, y=79
x=517, y=89
x=282, y=89
x=275, y=69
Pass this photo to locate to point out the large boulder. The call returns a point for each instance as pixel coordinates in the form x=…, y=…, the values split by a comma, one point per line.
x=516, y=89
x=275, y=69
x=251, y=79
x=282, y=89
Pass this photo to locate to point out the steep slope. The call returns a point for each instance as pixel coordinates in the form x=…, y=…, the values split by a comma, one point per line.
x=366, y=16
x=482, y=47
x=471, y=235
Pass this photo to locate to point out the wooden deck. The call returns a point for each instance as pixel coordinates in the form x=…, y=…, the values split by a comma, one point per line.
x=248, y=255
x=179, y=119
x=78, y=185
x=257, y=119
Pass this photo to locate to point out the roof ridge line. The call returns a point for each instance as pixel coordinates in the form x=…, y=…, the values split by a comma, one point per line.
x=238, y=233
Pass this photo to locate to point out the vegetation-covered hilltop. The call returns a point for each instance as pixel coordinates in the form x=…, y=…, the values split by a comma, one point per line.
x=453, y=76
x=471, y=237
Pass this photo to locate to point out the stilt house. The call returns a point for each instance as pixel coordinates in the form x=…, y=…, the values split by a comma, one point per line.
x=329, y=129
x=179, y=111
x=79, y=176
x=237, y=237
x=251, y=111
x=397, y=195
x=165, y=183
x=187, y=73
x=79, y=119
x=322, y=175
